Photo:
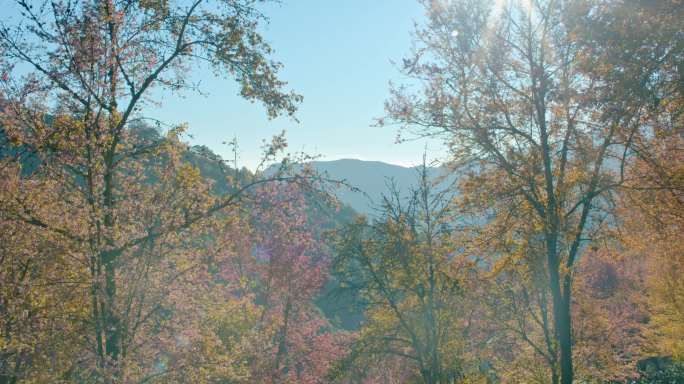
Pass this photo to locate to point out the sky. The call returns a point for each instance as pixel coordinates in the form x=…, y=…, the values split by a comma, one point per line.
x=338, y=55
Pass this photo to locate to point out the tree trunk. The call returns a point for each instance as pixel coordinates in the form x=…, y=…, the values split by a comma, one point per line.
x=561, y=312
x=112, y=326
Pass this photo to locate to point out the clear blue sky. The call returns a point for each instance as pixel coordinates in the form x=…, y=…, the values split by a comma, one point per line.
x=337, y=54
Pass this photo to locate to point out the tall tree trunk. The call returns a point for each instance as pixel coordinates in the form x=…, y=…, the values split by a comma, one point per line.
x=561, y=311
x=112, y=326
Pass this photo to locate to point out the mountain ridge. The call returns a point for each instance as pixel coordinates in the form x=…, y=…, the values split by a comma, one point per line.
x=372, y=178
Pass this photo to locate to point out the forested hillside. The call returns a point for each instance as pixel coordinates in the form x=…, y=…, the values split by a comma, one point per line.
x=547, y=245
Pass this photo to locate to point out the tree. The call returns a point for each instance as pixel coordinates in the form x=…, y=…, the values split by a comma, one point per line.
x=290, y=268
x=405, y=266
x=643, y=66
x=75, y=76
x=652, y=212
x=514, y=319
x=504, y=85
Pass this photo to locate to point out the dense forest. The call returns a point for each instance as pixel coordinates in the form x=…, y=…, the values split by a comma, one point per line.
x=551, y=250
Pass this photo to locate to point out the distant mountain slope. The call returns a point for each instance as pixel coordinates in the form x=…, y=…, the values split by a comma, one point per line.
x=372, y=178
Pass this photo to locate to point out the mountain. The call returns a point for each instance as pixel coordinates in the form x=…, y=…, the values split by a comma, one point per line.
x=372, y=178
